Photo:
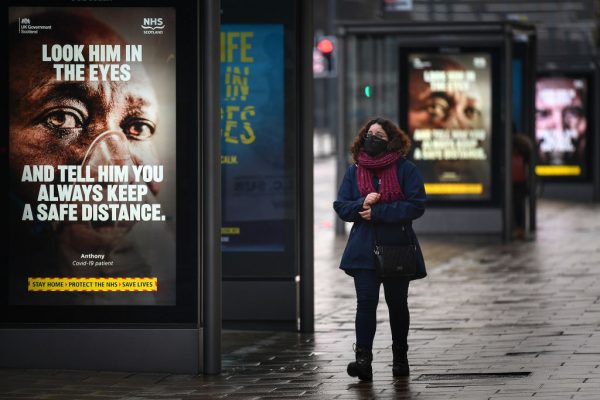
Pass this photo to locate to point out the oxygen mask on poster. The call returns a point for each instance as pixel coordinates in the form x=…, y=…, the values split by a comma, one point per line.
x=111, y=162
x=109, y=148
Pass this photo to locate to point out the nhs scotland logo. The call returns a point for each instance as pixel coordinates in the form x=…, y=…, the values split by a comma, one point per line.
x=153, y=26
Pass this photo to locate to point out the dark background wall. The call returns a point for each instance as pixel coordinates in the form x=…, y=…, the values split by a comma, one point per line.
x=567, y=31
x=568, y=27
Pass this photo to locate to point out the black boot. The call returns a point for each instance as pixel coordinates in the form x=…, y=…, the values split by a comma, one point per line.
x=400, y=365
x=362, y=366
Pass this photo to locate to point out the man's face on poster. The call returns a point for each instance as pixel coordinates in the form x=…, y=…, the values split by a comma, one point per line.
x=560, y=111
x=55, y=122
x=449, y=109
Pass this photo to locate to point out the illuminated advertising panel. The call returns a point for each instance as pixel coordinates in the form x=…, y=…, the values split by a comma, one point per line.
x=253, y=138
x=450, y=122
x=92, y=156
x=561, y=126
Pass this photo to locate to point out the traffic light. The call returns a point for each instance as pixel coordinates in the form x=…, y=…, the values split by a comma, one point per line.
x=324, y=57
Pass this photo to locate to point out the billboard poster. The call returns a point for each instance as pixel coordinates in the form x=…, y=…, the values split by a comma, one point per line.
x=92, y=135
x=252, y=138
x=450, y=123
x=561, y=126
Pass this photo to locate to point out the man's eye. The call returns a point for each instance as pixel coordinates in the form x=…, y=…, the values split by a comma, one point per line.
x=62, y=119
x=438, y=108
x=139, y=129
x=542, y=113
x=471, y=112
x=574, y=112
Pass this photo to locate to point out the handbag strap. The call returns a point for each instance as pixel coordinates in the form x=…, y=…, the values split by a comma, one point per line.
x=412, y=242
x=375, y=229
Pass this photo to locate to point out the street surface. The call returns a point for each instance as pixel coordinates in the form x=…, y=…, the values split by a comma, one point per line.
x=491, y=321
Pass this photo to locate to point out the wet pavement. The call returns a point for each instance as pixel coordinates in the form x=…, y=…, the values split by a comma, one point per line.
x=491, y=321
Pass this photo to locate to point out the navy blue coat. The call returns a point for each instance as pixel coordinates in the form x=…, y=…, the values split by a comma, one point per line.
x=394, y=220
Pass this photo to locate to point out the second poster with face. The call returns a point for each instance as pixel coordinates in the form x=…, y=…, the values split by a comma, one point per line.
x=450, y=122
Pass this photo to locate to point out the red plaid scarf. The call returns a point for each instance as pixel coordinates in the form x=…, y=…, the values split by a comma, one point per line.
x=385, y=168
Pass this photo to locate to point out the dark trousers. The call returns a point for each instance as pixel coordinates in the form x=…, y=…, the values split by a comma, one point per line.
x=367, y=295
x=520, y=192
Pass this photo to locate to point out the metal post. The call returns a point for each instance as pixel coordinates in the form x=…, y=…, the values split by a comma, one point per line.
x=332, y=83
x=306, y=217
x=340, y=142
x=532, y=67
x=210, y=199
x=507, y=124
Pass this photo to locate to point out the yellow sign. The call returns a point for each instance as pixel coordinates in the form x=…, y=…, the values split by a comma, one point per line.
x=234, y=230
x=92, y=284
x=454, y=188
x=558, y=170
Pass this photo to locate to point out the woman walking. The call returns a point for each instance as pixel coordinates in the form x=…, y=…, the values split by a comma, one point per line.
x=382, y=193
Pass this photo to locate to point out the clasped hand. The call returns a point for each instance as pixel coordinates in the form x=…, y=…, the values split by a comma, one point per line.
x=371, y=199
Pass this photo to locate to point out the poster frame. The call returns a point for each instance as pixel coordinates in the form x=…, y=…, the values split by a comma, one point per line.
x=186, y=312
x=275, y=265
x=497, y=133
x=591, y=139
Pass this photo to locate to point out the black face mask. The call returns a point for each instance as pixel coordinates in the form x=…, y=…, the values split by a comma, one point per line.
x=374, y=146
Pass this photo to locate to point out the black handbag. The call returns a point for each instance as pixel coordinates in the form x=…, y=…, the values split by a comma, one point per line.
x=395, y=261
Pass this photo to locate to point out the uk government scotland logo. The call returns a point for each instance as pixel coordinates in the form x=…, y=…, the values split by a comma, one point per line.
x=26, y=28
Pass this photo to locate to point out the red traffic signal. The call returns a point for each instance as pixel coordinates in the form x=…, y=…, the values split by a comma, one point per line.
x=325, y=46
x=324, y=57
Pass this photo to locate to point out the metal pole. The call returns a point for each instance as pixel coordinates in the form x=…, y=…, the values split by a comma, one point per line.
x=341, y=147
x=210, y=225
x=532, y=75
x=306, y=218
x=331, y=83
x=507, y=119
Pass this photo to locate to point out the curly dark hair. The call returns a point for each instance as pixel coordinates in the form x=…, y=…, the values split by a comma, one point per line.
x=398, y=140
